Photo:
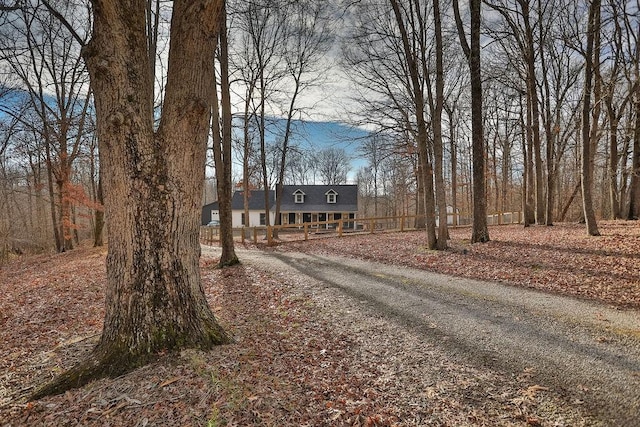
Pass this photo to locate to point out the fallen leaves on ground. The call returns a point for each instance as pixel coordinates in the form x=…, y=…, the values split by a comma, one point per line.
x=560, y=259
x=303, y=355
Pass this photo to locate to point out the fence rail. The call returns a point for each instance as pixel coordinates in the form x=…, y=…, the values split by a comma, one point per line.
x=338, y=228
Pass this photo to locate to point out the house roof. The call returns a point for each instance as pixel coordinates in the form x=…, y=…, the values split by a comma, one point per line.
x=256, y=200
x=315, y=198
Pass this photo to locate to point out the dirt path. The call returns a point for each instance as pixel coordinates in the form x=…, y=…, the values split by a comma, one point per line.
x=587, y=354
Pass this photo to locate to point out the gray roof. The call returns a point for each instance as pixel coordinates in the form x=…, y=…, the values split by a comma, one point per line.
x=315, y=199
x=256, y=200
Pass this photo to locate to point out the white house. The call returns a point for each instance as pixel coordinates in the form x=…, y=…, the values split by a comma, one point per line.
x=299, y=204
x=211, y=211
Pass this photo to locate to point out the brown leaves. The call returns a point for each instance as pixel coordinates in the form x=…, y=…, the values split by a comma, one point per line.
x=560, y=259
x=302, y=356
x=533, y=390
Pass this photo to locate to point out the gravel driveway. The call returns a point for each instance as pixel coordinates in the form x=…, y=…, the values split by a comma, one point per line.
x=585, y=356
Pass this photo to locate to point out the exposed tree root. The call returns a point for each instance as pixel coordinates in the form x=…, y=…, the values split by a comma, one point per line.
x=96, y=366
x=229, y=263
x=113, y=360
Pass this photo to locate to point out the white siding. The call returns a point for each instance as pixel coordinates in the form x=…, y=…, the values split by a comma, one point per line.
x=254, y=218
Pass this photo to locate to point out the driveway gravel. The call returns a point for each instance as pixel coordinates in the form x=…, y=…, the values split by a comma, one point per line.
x=584, y=356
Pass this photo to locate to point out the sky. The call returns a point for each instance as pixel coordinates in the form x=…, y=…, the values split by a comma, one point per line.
x=317, y=135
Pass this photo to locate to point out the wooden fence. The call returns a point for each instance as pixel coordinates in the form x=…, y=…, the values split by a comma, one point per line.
x=335, y=228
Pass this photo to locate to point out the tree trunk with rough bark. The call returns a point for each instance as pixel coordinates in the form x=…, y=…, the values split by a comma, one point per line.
x=588, y=137
x=153, y=185
x=480, y=230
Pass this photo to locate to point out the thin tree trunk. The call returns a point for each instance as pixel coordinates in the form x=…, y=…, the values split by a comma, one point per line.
x=222, y=149
x=574, y=193
x=421, y=138
x=441, y=202
x=285, y=150
x=55, y=220
x=534, y=103
x=588, y=137
x=454, y=167
x=633, y=210
x=480, y=230
x=551, y=136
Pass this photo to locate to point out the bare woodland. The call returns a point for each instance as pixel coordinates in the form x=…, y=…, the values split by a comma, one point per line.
x=110, y=111
x=554, y=76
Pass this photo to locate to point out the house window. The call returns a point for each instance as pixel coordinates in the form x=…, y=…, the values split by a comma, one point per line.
x=242, y=220
x=332, y=196
x=298, y=196
x=263, y=219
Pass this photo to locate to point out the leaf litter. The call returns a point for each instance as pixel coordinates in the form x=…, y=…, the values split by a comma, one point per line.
x=303, y=355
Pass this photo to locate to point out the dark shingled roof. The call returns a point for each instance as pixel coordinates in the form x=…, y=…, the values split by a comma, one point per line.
x=256, y=200
x=315, y=199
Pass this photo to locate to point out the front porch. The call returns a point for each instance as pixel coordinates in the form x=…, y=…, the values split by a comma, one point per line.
x=293, y=218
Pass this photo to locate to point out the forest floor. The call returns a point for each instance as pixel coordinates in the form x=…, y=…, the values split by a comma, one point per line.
x=301, y=359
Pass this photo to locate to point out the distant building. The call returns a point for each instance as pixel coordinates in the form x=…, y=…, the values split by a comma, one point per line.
x=300, y=204
x=312, y=203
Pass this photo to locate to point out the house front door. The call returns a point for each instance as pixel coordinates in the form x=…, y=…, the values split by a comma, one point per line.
x=292, y=217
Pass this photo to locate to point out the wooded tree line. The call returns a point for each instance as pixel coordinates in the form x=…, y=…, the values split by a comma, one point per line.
x=560, y=102
x=550, y=70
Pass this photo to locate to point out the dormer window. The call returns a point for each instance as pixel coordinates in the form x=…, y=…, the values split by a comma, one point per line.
x=332, y=196
x=298, y=196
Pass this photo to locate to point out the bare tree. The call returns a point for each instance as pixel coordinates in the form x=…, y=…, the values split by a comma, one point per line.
x=480, y=231
x=375, y=58
x=588, y=134
x=308, y=39
x=374, y=151
x=631, y=176
x=616, y=97
x=221, y=130
x=43, y=55
x=267, y=31
x=153, y=186
x=333, y=165
x=415, y=63
x=443, y=232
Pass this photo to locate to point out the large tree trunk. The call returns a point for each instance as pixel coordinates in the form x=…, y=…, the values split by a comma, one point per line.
x=153, y=186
